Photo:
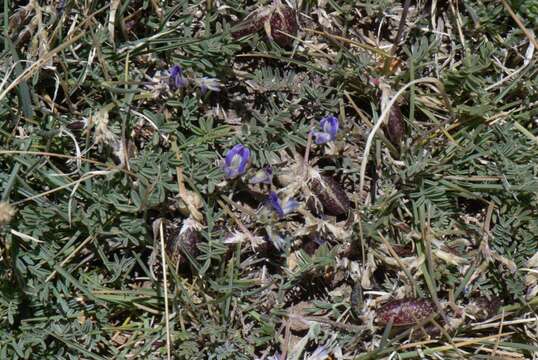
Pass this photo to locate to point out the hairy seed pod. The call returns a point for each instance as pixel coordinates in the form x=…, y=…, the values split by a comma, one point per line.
x=76, y=126
x=331, y=195
x=405, y=311
x=403, y=250
x=283, y=19
x=395, y=125
x=184, y=244
x=251, y=24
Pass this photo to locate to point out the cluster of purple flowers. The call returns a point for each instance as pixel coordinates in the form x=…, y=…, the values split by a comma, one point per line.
x=236, y=163
x=329, y=129
x=237, y=160
x=177, y=81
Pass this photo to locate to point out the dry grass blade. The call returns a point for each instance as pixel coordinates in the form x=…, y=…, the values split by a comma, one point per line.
x=165, y=287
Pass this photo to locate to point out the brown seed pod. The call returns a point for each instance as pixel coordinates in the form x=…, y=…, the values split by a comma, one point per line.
x=277, y=20
x=252, y=23
x=403, y=250
x=395, y=126
x=405, y=312
x=76, y=126
x=330, y=194
x=283, y=20
x=184, y=244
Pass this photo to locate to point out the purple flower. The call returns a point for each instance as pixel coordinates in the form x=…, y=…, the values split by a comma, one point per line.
x=263, y=176
x=329, y=128
x=176, y=80
x=236, y=161
x=280, y=208
x=206, y=83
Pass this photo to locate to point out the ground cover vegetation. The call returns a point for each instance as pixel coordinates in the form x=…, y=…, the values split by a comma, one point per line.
x=232, y=179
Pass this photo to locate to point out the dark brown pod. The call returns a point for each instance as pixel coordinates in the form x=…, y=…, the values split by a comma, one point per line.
x=331, y=195
x=251, y=24
x=486, y=307
x=405, y=312
x=283, y=19
x=76, y=126
x=395, y=126
x=183, y=244
x=403, y=250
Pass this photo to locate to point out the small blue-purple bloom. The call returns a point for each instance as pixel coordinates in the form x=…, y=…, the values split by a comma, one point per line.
x=236, y=161
x=263, y=176
x=282, y=209
x=329, y=129
x=206, y=83
x=176, y=80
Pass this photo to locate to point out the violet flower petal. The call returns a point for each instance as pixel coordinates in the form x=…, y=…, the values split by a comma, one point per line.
x=321, y=137
x=329, y=124
x=176, y=81
x=275, y=203
x=290, y=205
x=236, y=161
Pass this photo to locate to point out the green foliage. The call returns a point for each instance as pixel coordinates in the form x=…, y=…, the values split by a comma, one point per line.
x=96, y=146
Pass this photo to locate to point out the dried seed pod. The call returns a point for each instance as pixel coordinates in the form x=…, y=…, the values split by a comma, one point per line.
x=283, y=20
x=404, y=312
x=77, y=126
x=403, y=250
x=330, y=194
x=184, y=244
x=483, y=307
x=252, y=23
x=395, y=125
